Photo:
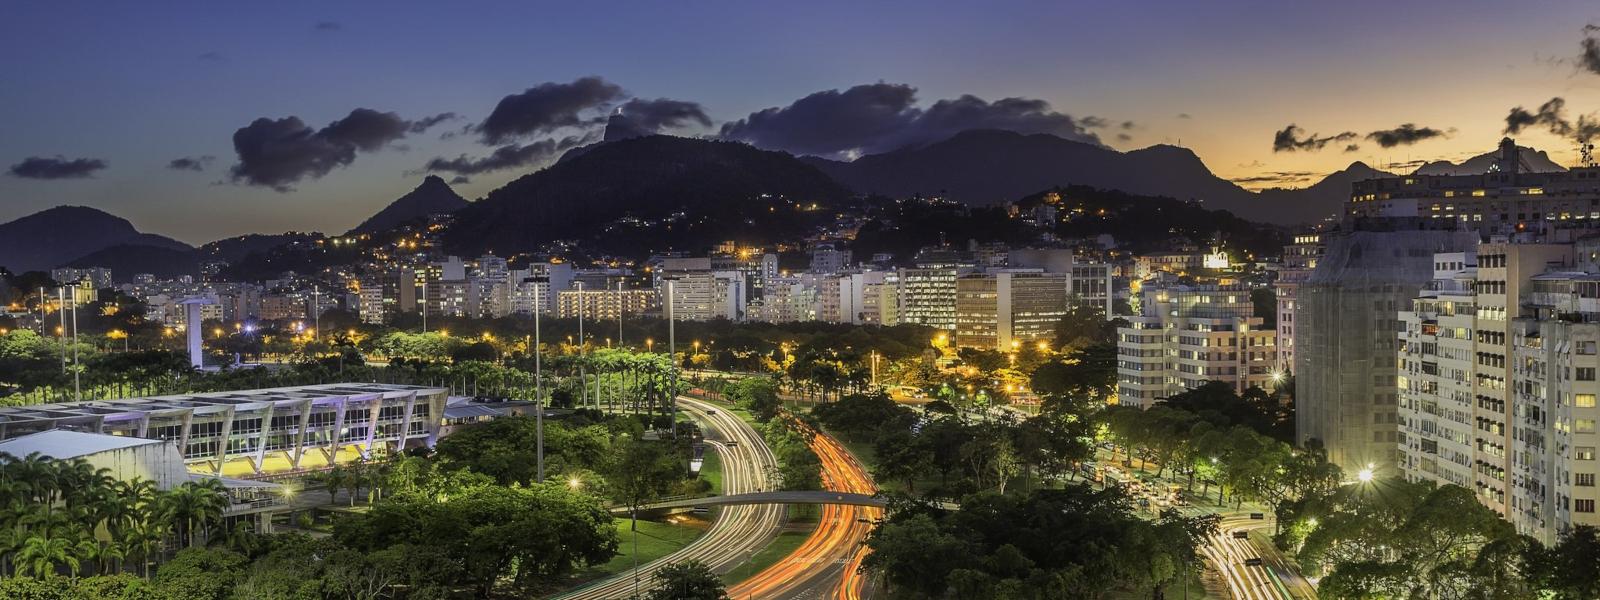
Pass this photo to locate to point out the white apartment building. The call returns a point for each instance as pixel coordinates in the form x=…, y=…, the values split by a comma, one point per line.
x=1186, y=336
x=604, y=304
x=1299, y=260
x=704, y=295
x=1498, y=381
x=786, y=300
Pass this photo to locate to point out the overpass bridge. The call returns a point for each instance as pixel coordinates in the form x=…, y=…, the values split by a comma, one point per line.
x=796, y=497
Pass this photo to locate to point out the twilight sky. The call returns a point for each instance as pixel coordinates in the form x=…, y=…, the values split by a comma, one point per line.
x=177, y=116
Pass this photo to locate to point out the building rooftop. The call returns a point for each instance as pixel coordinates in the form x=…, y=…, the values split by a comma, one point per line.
x=202, y=402
x=62, y=444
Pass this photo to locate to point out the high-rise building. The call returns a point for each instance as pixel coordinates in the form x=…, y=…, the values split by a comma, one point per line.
x=1001, y=310
x=1509, y=197
x=1299, y=259
x=604, y=304
x=704, y=295
x=1185, y=336
x=928, y=297
x=1497, y=381
x=1345, y=339
x=787, y=299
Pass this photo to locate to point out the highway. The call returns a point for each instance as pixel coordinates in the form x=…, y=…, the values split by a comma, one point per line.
x=738, y=531
x=1273, y=579
x=826, y=564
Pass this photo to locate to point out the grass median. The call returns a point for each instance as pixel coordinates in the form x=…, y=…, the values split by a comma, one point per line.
x=656, y=539
x=794, y=534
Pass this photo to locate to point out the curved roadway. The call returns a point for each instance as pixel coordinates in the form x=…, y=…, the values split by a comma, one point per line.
x=738, y=531
x=827, y=564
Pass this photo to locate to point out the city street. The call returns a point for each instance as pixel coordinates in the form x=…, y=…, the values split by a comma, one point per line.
x=738, y=531
x=825, y=567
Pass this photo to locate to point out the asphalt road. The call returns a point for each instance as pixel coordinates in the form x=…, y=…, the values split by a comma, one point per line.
x=826, y=564
x=738, y=531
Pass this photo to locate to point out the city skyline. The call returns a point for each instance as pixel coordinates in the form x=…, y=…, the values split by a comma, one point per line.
x=151, y=135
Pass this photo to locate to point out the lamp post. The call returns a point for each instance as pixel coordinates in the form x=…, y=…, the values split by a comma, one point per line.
x=77, y=370
x=538, y=387
x=874, y=369
x=672, y=353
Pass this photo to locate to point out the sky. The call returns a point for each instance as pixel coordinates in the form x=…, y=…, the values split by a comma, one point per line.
x=177, y=116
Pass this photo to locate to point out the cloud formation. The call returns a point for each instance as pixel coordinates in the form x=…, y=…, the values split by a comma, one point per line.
x=1276, y=178
x=191, y=163
x=1589, y=53
x=641, y=117
x=1552, y=116
x=425, y=123
x=1290, y=139
x=879, y=117
x=1294, y=138
x=507, y=156
x=56, y=167
x=544, y=108
x=1404, y=135
x=329, y=26
x=278, y=152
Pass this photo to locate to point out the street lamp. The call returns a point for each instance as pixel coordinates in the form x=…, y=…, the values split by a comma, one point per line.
x=672, y=353
x=1365, y=474
x=538, y=382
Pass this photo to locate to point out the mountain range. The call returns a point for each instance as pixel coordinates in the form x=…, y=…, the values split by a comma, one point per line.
x=651, y=194
x=433, y=196
x=57, y=236
x=635, y=195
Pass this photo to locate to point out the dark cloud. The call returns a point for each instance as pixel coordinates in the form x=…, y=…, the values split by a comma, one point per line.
x=425, y=123
x=460, y=179
x=367, y=129
x=212, y=56
x=640, y=117
x=1092, y=122
x=507, y=157
x=1289, y=139
x=882, y=116
x=190, y=163
x=1552, y=117
x=1184, y=116
x=1123, y=137
x=57, y=167
x=278, y=152
x=547, y=107
x=1352, y=147
x=1403, y=166
x=1404, y=135
x=1129, y=125
x=1277, y=178
x=329, y=26
x=831, y=121
x=1589, y=56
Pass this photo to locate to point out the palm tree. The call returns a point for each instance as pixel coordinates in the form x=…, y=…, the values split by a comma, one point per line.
x=143, y=540
x=195, y=504
x=40, y=556
x=107, y=554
